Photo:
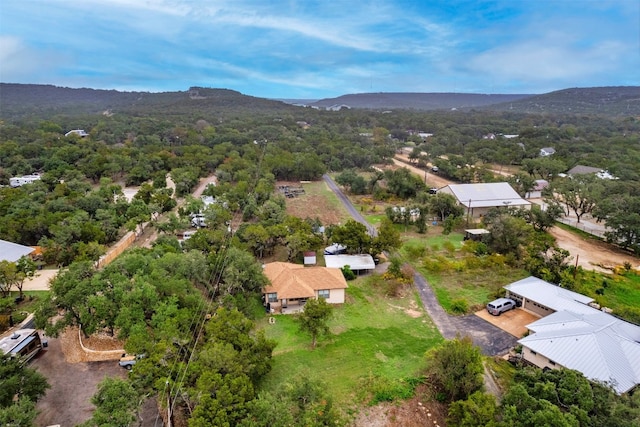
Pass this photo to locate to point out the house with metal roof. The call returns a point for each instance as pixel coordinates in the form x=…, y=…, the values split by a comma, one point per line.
x=574, y=334
x=12, y=252
x=291, y=285
x=477, y=199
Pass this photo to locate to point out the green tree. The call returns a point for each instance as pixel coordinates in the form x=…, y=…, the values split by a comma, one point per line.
x=353, y=235
x=9, y=276
x=581, y=193
x=479, y=410
x=445, y=205
x=455, y=368
x=314, y=319
x=21, y=388
x=116, y=404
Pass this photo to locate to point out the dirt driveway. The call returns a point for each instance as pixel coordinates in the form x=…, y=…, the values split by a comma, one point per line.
x=67, y=402
x=513, y=321
x=592, y=254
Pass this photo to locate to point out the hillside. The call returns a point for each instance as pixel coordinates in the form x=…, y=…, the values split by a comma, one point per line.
x=604, y=101
x=25, y=100
x=416, y=101
x=19, y=100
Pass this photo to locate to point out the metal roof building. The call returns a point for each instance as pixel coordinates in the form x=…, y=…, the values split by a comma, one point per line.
x=12, y=252
x=477, y=199
x=578, y=336
x=355, y=262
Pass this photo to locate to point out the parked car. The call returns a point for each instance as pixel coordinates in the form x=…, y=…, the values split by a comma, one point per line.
x=127, y=360
x=500, y=305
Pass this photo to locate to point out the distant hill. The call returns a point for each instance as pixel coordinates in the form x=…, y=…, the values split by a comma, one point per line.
x=18, y=100
x=605, y=101
x=24, y=100
x=415, y=101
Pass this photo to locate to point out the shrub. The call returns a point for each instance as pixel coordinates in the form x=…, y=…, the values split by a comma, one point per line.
x=348, y=273
x=459, y=306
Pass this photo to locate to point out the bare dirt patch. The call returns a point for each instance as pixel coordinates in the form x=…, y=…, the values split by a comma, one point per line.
x=313, y=204
x=592, y=254
x=68, y=401
x=419, y=411
x=104, y=347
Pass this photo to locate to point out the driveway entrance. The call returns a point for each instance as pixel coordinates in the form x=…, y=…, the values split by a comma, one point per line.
x=513, y=321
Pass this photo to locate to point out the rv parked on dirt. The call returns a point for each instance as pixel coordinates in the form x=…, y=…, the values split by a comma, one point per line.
x=24, y=343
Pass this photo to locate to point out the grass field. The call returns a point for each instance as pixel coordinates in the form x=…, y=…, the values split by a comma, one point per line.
x=374, y=340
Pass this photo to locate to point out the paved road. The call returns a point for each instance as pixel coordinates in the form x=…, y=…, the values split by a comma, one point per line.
x=347, y=203
x=491, y=339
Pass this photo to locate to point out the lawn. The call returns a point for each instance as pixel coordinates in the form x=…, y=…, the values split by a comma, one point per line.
x=455, y=274
x=373, y=339
x=317, y=202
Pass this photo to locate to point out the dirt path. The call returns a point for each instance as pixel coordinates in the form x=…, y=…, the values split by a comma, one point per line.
x=432, y=179
x=592, y=254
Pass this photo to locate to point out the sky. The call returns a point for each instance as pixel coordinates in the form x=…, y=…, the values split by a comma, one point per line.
x=313, y=49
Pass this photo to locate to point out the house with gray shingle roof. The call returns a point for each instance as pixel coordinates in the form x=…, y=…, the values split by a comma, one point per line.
x=576, y=335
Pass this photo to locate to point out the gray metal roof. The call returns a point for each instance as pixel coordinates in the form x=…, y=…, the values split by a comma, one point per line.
x=355, y=262
x=12, y=252
x=550, y=295
x=581, y=169
x=602, y=347
x=487, y=195
x=578, y=336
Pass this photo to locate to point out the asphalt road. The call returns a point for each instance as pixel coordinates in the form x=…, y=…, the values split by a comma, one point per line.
x=347, y=204
x=491, y=339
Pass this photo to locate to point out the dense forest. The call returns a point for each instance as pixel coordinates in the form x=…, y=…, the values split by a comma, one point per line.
x=191, y=307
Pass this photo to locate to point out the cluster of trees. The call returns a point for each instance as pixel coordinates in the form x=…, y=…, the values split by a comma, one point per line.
x=21, y=388
x=534, y=397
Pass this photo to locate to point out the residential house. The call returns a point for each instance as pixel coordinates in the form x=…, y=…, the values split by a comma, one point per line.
x=477, y=199
x=573, y=333
x=547, y=151
x=19, y=181
x=582, y=170
x=291, y=285
x=12, y=252
x=586, y=170
x=79, y=132
x=536, y=192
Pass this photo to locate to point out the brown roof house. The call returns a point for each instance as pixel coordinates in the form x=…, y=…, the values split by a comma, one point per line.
x=292, y=284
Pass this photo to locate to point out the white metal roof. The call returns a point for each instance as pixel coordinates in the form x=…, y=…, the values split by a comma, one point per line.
x=12, y=252
x=355, y=262
x=602, y=347
x=550, y=295
x=578, y=336
x=487, y=195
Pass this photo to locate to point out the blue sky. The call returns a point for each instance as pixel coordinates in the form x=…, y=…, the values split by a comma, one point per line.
x=321, y=48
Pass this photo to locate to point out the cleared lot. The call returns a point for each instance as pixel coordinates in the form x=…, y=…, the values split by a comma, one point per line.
x=67, y=402
x=512, y=321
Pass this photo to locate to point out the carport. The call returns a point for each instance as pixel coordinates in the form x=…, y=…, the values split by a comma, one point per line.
x=513, y=321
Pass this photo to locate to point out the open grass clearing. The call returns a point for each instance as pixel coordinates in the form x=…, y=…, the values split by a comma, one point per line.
x=456, y=274
x=318, y=201
x=374, y=339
